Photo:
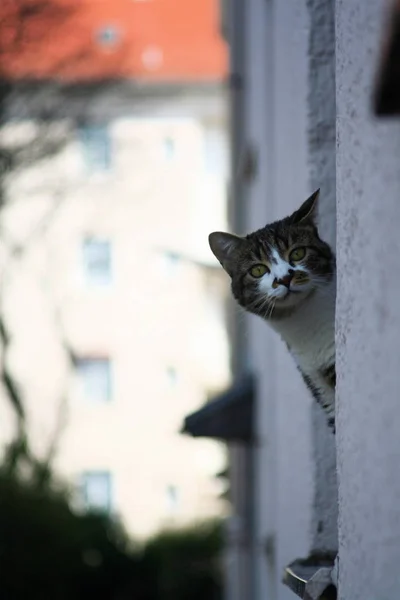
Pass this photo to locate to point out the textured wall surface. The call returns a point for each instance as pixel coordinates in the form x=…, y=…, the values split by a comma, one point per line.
x=368, y=317
x=322, y=173
x=322, y=110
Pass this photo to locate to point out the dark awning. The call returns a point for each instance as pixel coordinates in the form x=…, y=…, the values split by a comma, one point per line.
x=228, y=417
x=387, y=85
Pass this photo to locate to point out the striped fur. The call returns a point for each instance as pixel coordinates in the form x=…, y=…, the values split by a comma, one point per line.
x=295, y=292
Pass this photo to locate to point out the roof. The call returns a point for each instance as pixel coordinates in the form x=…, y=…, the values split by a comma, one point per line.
x=70, y=40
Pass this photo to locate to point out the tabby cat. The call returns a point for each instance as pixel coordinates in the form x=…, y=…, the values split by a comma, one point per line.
x=285, y=274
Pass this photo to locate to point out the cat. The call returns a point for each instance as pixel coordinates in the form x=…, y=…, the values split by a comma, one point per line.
x=286, y=274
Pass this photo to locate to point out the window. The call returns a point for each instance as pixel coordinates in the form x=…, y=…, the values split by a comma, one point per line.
x=215, y=152
x=170, y=263
x=172, y=376
x=97, y=261
x=172, y=499
x=95, y=378
x=96, y=147
x=168, y=148
x=96, y=490
x=108, y=36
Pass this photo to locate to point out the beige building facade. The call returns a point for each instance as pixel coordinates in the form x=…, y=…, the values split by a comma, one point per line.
x=112, y=300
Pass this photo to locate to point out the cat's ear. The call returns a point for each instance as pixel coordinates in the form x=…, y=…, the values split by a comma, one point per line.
x=308, y=210
x=225, y=247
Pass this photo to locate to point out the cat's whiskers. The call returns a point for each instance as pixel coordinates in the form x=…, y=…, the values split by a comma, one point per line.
x=259, y=304
x=322, y=287
x=268, y=305
x=271, y=309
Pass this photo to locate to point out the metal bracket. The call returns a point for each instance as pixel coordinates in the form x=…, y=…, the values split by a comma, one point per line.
x=320, y=586
x=311, y=581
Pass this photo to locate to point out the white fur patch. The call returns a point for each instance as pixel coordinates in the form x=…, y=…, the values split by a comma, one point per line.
x=310, y=330
x=310, y=334
x=279, y=269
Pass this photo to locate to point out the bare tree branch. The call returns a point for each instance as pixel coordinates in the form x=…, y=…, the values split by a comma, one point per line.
x=23, y=25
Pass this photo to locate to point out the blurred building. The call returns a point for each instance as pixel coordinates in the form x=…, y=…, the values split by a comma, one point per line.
x=117, y=127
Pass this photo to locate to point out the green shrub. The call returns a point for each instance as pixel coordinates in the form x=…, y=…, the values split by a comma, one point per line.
x=187, y=563
x=49, y=552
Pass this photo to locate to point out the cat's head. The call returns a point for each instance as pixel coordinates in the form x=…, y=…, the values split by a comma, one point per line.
x=276, y=268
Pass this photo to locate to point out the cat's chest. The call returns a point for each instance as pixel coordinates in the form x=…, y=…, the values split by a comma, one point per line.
x=310, y=333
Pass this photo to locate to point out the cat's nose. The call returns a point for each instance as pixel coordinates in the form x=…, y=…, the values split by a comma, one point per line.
x=286, y=279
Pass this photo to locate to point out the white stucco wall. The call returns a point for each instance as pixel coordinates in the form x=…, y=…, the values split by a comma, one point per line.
x=321, y=148
x=368, y=317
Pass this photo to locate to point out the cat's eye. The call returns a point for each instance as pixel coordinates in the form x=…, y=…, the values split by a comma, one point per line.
x=297, y=254
x=259, y=270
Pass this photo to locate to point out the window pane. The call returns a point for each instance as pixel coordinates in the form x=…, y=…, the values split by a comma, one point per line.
x=170, y=263
x=96, y=147
x=169, y=148
x=172, y=498
x=215, y=153
x=97, y=261
x=97, y=490
x=95, y=377
x=172, y=376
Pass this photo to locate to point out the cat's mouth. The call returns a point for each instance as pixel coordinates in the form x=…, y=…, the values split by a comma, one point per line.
x=291, y=295
x=289, y=292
